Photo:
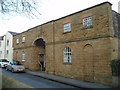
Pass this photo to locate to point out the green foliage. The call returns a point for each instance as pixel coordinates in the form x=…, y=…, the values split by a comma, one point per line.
x=115, y=65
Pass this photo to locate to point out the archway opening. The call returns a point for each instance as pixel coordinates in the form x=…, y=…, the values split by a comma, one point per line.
x=40, y=45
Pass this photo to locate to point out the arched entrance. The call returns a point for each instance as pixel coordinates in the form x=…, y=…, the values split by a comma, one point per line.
x=88, y=63
x=40, y=44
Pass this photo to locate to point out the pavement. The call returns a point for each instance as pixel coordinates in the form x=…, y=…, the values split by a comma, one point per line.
x=68, y=81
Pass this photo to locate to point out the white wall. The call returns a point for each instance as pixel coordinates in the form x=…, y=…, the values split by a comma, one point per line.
x=4, y=47
x=9, y=47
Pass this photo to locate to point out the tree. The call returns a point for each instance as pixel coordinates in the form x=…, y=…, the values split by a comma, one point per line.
x=13, y=7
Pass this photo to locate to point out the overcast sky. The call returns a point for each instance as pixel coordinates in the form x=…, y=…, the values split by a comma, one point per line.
x=50, y=10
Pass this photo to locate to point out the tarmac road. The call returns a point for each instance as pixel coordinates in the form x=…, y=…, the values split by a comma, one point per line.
x=34, y=81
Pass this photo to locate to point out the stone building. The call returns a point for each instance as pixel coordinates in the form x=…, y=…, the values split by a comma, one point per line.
x=80, y=45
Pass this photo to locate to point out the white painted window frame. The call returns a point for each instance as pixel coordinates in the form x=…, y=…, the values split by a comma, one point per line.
x=67, y=27
x=87, y=22
x=23, y=57
x=17, y=40
x=67, y=55
x=23, y=39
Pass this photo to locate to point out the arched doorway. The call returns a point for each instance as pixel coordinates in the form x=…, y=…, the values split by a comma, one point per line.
x=88, y=63
x=40, y=44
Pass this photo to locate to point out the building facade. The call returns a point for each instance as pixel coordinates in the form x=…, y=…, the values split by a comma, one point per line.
x=6, y=46
x=80, y=45
x=1, y=47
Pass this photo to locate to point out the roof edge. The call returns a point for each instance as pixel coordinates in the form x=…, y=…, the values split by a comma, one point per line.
x=67, y=16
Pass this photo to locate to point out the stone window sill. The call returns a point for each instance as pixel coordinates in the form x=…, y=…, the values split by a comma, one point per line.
x=66, y=32
x=83, y=28
x=67, y=63
x=23, y=42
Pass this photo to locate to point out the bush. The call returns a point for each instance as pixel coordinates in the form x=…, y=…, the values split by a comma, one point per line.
x=115, y=65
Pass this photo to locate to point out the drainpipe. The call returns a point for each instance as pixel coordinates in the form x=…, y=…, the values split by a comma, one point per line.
x=53, y=48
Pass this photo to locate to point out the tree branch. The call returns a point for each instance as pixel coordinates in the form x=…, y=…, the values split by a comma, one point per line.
x=26, y=7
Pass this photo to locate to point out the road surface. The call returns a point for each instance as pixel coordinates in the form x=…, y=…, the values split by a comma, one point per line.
x=34, y=81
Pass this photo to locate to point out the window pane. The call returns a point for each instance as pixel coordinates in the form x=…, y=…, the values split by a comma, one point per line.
x=23, y=56
x=23, y=39
x=17, y=41
x=67, y=55
x=67, y=27
x=87, y=21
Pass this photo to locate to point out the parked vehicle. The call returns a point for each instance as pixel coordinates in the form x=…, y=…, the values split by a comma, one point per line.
x=3, y=62
x=15, y=66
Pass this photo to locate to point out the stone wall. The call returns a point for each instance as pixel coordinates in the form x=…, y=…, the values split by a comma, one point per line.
x=98, y=37
x=32, y=52
x=92, y=48
x=116, y=26
x=100, y=63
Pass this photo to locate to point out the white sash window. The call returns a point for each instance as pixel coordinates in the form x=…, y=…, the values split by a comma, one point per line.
x=67, y=55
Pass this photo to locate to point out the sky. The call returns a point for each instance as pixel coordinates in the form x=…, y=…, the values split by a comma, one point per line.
x=49, y=10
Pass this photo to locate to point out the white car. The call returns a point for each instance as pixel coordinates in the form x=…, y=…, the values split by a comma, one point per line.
x=3, y=62
x=15, y=66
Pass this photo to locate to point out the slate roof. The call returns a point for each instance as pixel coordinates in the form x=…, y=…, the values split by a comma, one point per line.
x=13, y=33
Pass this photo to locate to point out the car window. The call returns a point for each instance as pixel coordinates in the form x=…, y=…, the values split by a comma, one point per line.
x=4, y=60
x=16, y=63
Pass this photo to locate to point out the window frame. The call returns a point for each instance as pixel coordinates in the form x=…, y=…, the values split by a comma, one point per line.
x=17, y=41
x=67, y=55
x=67, y=27
x=7, y=53
x=8, y=42
x=23, y=39
x=23, y=56
x=87, y=22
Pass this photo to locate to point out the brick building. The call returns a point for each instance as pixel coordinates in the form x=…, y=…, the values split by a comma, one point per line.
x=80, y=45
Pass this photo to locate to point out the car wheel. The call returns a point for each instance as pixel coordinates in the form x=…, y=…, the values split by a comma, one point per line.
x=12, y=70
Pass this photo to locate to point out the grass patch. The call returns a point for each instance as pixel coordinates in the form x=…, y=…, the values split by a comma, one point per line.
x=8, y=82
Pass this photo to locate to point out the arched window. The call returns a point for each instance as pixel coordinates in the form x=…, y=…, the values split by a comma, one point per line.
x=67, y=55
